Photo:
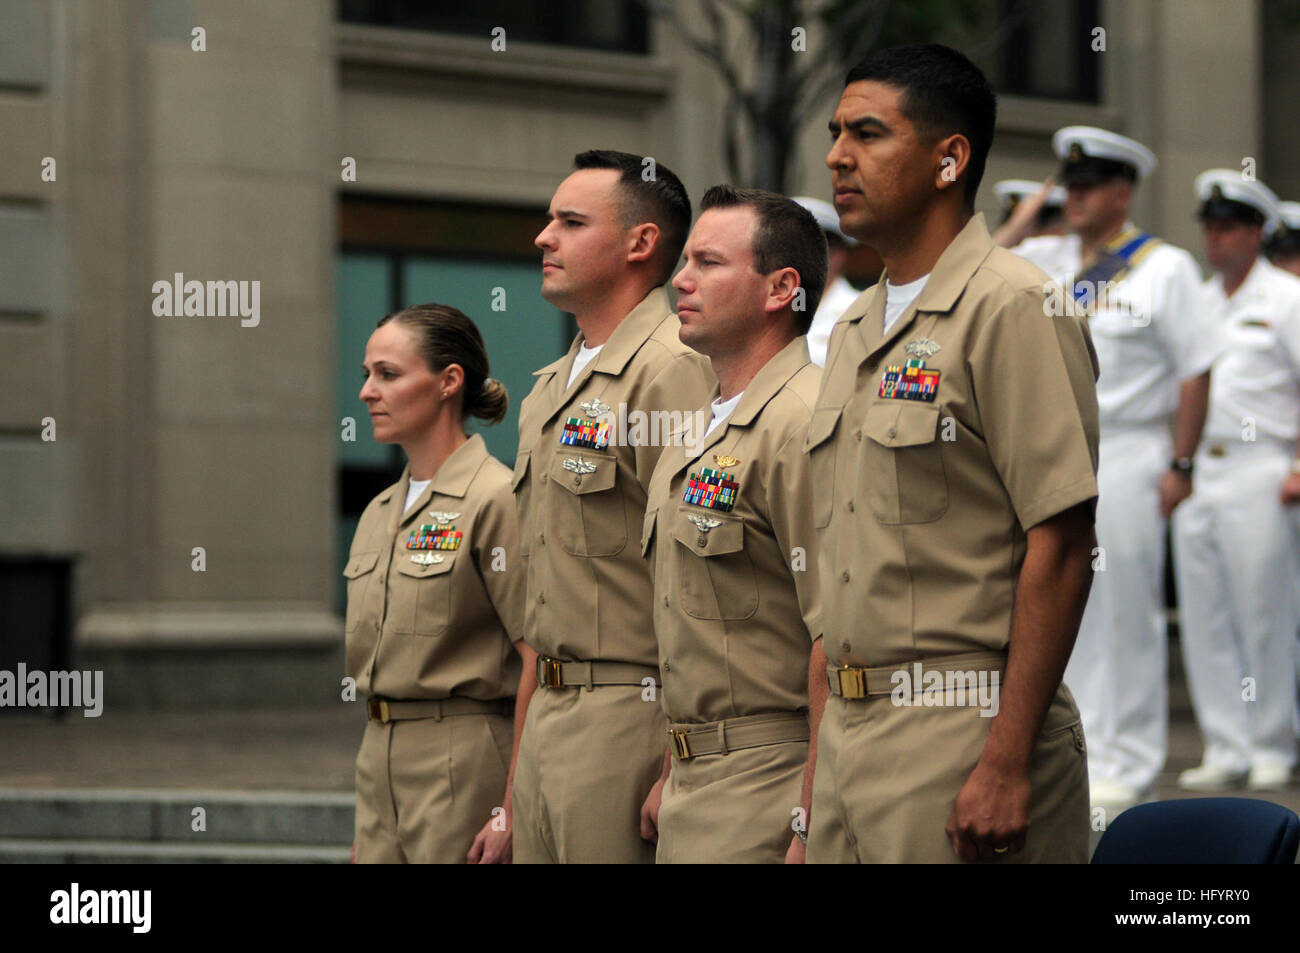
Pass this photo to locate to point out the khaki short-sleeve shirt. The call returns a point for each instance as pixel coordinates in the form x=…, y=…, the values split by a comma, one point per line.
x=437, y=615
x=929, y=476
x=586, y=453
x=736, y=590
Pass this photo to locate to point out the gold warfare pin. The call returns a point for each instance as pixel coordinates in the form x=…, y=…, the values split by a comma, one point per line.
x=726, y=462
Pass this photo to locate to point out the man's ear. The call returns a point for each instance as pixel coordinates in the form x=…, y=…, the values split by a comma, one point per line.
x=783, y=290
x=643, y=242
x=953, y=154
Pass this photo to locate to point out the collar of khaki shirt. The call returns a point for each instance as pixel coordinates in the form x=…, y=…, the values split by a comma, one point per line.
x=765, y=385
x=452, y=479
x=631, y=333
x=948, y=279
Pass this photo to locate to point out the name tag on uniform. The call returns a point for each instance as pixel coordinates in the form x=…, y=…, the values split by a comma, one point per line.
x=430, y=536
x=712, y=489
x=910, y=381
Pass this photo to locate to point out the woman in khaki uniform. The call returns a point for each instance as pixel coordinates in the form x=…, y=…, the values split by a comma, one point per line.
x=435, y=601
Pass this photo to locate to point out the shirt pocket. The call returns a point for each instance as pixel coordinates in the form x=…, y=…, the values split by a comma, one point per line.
x=419, y=598
x=358, y=572
x=523, y=492
x=821, y=461
x=717, y=580
x=903, y=462
x=586, y=514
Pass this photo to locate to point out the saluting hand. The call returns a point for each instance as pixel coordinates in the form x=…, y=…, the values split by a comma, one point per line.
x=991, y=814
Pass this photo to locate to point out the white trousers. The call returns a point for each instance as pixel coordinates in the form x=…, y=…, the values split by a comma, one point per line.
x=1238, y=577
x=1117, y=670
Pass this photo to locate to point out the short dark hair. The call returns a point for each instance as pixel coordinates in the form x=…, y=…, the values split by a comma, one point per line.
x=943, y=93
x=660, y=199
x=787, y=236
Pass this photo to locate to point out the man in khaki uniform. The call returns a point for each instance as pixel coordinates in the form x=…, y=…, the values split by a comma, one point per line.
x=729, y=532
x=594, y=737
x=429, y=636
x=954, y=449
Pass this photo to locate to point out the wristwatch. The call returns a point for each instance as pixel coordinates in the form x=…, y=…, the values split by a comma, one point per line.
x=1181, y=465
x=803, y=836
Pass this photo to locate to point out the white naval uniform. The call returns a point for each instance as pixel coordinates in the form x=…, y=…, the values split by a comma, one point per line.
x=1150, y=336
x=1235, y=544
x=834, y=303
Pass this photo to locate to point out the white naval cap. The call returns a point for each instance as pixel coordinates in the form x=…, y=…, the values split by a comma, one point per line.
x=1091, y=154
x=826, y=216
x=1017, y=189
x=1288, y=214
x=1223, y=192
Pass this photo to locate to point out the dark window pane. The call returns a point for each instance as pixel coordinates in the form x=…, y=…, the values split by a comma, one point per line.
x=619, y=25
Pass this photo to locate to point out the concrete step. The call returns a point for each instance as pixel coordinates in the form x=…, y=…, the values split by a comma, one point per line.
x=306, y=820
x=25, y=851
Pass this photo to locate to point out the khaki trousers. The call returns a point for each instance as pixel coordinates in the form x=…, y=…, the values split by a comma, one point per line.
x=587, y=760
x=426, y=787
x=736, y=808
x=887, y=778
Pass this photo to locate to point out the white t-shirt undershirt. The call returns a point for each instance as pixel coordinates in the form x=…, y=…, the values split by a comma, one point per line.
x=584, y=357
x=413, y=492
x=898, y=298
x=721, y=411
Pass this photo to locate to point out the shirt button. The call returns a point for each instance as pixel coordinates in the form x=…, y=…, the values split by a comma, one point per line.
x=665, y=600
x=850, y=506
x=845, y=647
x=845, y=575
x=668, y=666
x=541, y=538
x=858, y=434
x=892, y=433
x=541, y=598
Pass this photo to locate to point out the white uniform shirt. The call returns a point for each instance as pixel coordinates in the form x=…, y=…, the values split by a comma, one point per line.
x=1258, y=376
x=1153, y=332
x=834, y=303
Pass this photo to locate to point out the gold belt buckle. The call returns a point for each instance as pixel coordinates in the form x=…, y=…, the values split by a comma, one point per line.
x=377, y=708
x=551, y=674
x=852, y=682
x=681, y=747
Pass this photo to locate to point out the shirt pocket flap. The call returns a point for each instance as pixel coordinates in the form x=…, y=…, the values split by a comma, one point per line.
x=360, y=564
x=521, y=468
x=582, y=473
x=440, y=563
x=707, y=534
x=821, y=426
x=899, y=423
